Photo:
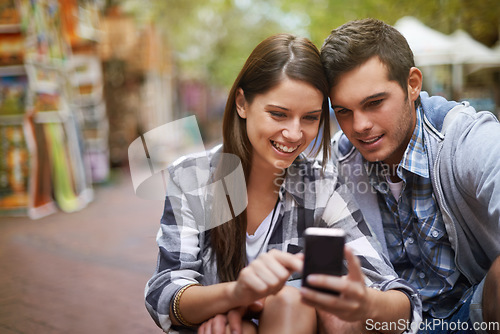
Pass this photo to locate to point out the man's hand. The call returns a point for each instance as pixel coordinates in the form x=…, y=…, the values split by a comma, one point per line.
x=353, y=301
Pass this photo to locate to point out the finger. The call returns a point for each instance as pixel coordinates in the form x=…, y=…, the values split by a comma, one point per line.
x=201, y=329
x=205, y=327
x=234, y=318
x=263, y=269
x=288, y=260
x=349, y=291
x=275, y=266
x=332, y=303
x=257, y=306
x=249, y=280
x=300, y=257
x=218, y=324
x=328, y=282
x=353, y=263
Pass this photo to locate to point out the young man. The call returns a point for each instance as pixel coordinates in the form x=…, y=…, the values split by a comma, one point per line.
x=425, y=172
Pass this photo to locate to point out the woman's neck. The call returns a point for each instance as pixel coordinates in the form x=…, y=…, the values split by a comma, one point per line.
x=265, y=181
x=262, y=189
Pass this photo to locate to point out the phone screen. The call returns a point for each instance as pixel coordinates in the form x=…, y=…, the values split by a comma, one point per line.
x=324, y=253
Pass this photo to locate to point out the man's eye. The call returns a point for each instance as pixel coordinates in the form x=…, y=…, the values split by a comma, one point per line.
x=340, y=111
x=374, y=103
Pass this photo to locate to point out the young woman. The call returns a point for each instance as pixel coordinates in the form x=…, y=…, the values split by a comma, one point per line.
x=275, y=109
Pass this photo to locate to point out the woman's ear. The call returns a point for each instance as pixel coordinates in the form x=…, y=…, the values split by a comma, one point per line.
x=414, y=83
x=241, y=103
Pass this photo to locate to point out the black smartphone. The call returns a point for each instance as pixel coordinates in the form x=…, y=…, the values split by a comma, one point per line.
x=323, y=254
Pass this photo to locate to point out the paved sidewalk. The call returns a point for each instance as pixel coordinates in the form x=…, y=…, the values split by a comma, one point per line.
x=83, y=272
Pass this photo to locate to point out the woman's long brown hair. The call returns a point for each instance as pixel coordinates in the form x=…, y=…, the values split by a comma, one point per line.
x=277, y=57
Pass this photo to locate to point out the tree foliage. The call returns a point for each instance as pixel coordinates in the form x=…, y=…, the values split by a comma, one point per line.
x=212, y=38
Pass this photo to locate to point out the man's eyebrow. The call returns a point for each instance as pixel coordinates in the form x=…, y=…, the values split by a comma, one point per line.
x=368, y=98
x=374, y=96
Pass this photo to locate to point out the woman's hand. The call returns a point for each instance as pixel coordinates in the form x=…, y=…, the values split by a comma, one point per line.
x=218, y=324
x=265, y=276
x=353, y=302
x=233, y=319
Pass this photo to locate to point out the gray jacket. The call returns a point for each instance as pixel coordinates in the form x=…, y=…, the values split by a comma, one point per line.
x=463, y=148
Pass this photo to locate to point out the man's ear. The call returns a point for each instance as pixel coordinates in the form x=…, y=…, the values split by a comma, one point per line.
x=414, y=83
x=241, y=103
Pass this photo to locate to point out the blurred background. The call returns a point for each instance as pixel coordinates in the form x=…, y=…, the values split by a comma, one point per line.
x=81, y=79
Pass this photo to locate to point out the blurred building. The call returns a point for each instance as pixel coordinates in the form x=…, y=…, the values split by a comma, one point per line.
x=77, y=86
x=455, y=66
x=139, y=83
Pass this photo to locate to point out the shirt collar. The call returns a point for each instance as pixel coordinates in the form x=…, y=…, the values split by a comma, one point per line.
x=414, y=160
x=415, y=157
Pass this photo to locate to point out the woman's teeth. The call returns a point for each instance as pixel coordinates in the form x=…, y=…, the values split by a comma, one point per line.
x=284, y=148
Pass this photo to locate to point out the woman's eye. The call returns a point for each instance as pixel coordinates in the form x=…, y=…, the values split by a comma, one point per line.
x=277, y=114
x=312, y=118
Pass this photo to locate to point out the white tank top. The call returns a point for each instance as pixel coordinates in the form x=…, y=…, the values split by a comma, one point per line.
x=257, y=242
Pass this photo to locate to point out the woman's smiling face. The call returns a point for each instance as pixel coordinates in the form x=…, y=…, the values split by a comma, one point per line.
x=281, y=123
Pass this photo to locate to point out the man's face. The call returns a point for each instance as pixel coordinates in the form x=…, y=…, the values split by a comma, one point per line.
x=374, y=113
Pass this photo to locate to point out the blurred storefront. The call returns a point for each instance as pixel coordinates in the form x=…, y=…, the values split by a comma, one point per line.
x=77, y=85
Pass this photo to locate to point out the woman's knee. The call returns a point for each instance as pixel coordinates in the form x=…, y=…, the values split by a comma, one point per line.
x=286, y=297
x=285, y=313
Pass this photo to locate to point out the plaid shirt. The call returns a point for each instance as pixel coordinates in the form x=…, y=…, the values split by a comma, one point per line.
x=308, y=196
x=417, y=242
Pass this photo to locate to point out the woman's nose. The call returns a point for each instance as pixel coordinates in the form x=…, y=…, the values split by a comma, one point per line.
x=293, y=132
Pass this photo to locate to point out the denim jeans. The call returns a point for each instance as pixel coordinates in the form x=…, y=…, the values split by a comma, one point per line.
x=467, y=318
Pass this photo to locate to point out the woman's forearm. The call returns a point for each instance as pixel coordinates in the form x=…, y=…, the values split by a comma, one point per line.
x=199, y=303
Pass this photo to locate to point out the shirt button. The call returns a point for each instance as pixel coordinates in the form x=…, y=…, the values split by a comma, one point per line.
x=435, y=233
x=421, y=275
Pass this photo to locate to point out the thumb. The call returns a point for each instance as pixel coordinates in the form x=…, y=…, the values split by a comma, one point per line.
x=257, y=305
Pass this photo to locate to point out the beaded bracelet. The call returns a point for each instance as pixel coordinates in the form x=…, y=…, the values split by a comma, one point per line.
x=176, y=309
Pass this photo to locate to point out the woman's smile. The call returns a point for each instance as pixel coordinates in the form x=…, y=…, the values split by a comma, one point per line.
x=284, y=148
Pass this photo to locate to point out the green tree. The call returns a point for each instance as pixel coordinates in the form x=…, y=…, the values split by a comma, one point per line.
x=212, y=38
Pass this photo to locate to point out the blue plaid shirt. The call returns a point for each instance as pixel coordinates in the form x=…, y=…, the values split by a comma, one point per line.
x=416, y=237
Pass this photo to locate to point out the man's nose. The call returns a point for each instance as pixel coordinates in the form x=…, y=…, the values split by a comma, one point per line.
x=361, y=122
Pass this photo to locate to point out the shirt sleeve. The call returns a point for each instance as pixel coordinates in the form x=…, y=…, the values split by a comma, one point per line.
x=342, y=212
x=179, y=261
x=479, y=177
